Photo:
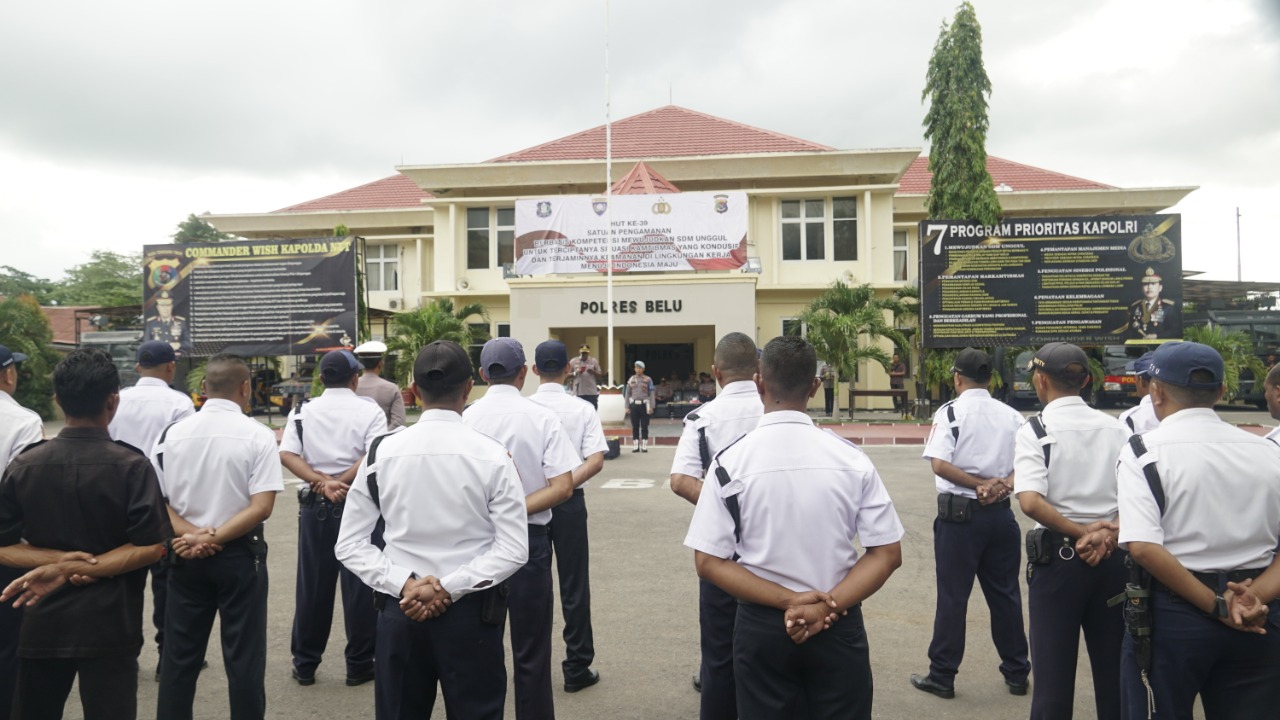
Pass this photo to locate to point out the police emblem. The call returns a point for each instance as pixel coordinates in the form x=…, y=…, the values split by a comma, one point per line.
x=599, y=205
x=163, y=271
x=662, y=207
x=544, y=209
x=722, y=204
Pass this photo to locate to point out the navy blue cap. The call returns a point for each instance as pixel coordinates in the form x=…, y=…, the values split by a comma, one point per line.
x=1142, y=366
x=155, y=352
x=1173, y=363
x=338, y=365
x=9, y=357
x=501, y=358
x=441, y=364
x=551, y=356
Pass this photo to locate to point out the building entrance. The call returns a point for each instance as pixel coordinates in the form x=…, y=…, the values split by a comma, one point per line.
x=661, y=360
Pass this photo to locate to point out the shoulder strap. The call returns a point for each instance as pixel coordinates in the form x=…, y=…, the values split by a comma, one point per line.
x=951, y=419
x=38, y=443
x=160, y=443
x=1129, y=421
x=127, y=446
x=1037, y=426
x=1149, y=471
x=297, y=420
x=731, y=502
x=372, y=473
x=704, y=449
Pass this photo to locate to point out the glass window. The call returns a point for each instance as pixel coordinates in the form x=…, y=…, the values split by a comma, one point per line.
x=791, y=241
x=804, y=234
x=506, y=236
x=382, y=267
x=792, y=327
x=504, y=329
x=477, y=238
x=479, y=336
x=900, y=255
x=844, y=228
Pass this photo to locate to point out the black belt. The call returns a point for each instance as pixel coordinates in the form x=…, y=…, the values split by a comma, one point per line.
x=975, y=504
x=537, y=529
x=1216, y=582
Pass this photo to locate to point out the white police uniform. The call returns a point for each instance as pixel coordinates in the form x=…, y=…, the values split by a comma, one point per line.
x=209, y=465
x=1066, y=594
x=19, y=427
x=975, y=433
x=145, y=410
x=330, y=433
x=1140, y=418
x=735, y=412
x=782, y=522
x=454, y=509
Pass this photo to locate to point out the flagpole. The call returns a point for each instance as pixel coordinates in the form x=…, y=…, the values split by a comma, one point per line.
x=608, y=191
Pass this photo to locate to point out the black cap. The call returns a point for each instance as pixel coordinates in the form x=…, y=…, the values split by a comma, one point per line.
x=338, y=365
x=551, y=356
x=9, y=357
x=1173, y=363
x=154, y=352
x=1056, y=357
x=973, y=364
x=501, y=358
x=441, y=364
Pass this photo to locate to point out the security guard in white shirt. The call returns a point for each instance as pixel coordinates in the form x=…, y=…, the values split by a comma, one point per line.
x=1064, y=467
x=975, y=534
x=146, y=409
x=220, y=472
x=776, y=530
x=455, y=531
x=568, y=526
x=1200, y=511
x=1141, y=418
x=323, y=443
x=715, y=426
x=545, y=459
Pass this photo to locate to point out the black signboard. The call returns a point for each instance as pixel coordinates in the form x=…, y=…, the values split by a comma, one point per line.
x=1027, y=281
x=250, y=298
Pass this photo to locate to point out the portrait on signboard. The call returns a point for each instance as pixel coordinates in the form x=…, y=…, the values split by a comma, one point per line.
x=1154, y=316
x=163, y=324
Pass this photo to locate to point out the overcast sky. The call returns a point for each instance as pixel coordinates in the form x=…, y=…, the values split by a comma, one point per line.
x=119, y=119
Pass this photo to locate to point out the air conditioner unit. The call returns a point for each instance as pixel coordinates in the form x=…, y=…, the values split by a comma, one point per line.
x=463, y=284
x=394, y=304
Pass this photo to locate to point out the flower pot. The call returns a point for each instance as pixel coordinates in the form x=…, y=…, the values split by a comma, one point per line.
x=611, y=408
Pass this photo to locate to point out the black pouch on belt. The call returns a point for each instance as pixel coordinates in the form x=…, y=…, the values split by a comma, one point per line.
x=1039, y=549
x=494, y=609
x=954, y=508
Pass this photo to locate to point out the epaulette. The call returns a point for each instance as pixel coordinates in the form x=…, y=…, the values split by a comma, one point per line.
x=127, y=446
x=34, y=444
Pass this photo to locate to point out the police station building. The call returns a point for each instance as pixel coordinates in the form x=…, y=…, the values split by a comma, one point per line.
x=814, y=214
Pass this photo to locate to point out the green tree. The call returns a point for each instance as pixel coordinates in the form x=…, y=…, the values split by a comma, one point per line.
x=14, y=282
x=25, y=329
x=845, y=324
x=109, y=279
x=413, y=329
x=195, y=230
x=957, y=88
x=1236, y=350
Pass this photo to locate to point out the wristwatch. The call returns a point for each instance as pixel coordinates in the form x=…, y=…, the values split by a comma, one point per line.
x=1220, y=607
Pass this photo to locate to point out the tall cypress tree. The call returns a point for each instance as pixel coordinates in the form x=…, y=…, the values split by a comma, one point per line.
x=957, y=88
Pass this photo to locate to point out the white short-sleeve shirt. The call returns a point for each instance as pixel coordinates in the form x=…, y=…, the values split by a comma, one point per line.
x=804, y=496
x=337, y=428
x=1140, y=418
x=145, y=410
x=19, y=427
x=984, y=447
x=580, y=420
x=1084, y=443
x=735, y=412
x=1222, y=493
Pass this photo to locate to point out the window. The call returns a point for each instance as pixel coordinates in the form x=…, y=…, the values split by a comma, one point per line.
x=793, y=327
x=484, y=226
x=803, y=230
x=844, y=228
x=479, y=336
x=504, y=329
x=900, y=255
x=382, y=267
x=506, y=236
x=477, y=238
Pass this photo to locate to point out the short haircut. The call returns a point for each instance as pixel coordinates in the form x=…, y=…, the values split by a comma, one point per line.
x=1193, y=397
x=736, y=355
x=327, y=383
x=370, y=363
x=1273, y=376
x=786, y=367
x=83, y=381
x=1071, y=381
x=441, y=394
x=223, y=374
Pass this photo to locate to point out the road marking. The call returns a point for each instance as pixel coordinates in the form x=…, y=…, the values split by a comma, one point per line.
x=634, y=484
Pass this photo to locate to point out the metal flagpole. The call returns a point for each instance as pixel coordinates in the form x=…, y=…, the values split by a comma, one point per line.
x=608, y=191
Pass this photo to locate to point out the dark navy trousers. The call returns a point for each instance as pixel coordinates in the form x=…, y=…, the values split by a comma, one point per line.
x=568, y=534
x=1236, y=674
x=717, y=612
x=990, y=549
x=530, y=608
x=10, y=625
x=1066, y=596
x=318, y=573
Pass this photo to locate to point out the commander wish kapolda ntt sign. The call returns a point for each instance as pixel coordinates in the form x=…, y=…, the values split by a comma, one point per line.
x=1028, y=281
x=250, y=298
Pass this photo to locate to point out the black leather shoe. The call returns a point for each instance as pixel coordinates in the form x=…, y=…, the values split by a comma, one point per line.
x=932, y=686
x=1017, y=688
x=697, y=682
x=358, y=678
x=303, y=680
x=580, y=683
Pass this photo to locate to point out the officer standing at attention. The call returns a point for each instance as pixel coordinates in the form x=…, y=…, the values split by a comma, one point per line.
x=545, y=460
x=1064, y=467
x=1141, y=417
x=568, y=526
x=776, y=531
x=323, y=443
x=639, y=397
x=455, y=530
x=713, y=427
x=146, y=409
x=220, y=471
x=975, y=534
x=372, y=385
x=1200, y=512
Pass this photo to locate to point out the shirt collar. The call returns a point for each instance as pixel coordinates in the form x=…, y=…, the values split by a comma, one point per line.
x=220, y=405
x=551, y=387
x=976, y=393
x=6, y=397
x=84, y=432
x=151, y=382
x=339, y=392
x=740, y=387
x=1191, y=415
x=778, y=417
x=1146, y=400
x=1069, y=401
x=438, y=415
x=507, y=390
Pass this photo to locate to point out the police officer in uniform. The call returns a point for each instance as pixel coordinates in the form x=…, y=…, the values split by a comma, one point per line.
x=1200, y=511
x=586, y=371
x=146, y=409
x=455, y=531
x=372, y=385
x=640, y=397
x=775, y=530
x=323, y=443
x=1064, y=469
x=568, y=526
x=545, y=459
x=1141, y=417
x=220, y=471
x=1154, y=316
x=975, y=534
x=714, y=427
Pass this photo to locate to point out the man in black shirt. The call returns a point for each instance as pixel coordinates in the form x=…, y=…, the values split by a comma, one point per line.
x=82, y=492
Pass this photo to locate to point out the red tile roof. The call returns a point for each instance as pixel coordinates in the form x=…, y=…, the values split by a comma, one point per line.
x=396, y=191
x=1019, y=177
x=669, y=131
x=643, y=180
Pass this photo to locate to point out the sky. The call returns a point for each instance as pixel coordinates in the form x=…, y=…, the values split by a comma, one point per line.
x=119, y=119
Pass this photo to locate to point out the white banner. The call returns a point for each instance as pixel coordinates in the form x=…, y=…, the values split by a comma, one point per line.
x=681, y=231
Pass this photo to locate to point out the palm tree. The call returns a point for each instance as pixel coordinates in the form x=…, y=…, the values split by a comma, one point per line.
x=838, y=319
x=413, y=329
x=1236, y=350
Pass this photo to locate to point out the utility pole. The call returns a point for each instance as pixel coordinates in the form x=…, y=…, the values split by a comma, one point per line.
x=1239, y=263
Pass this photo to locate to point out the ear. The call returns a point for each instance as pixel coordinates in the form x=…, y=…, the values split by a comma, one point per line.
x=814, y=385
